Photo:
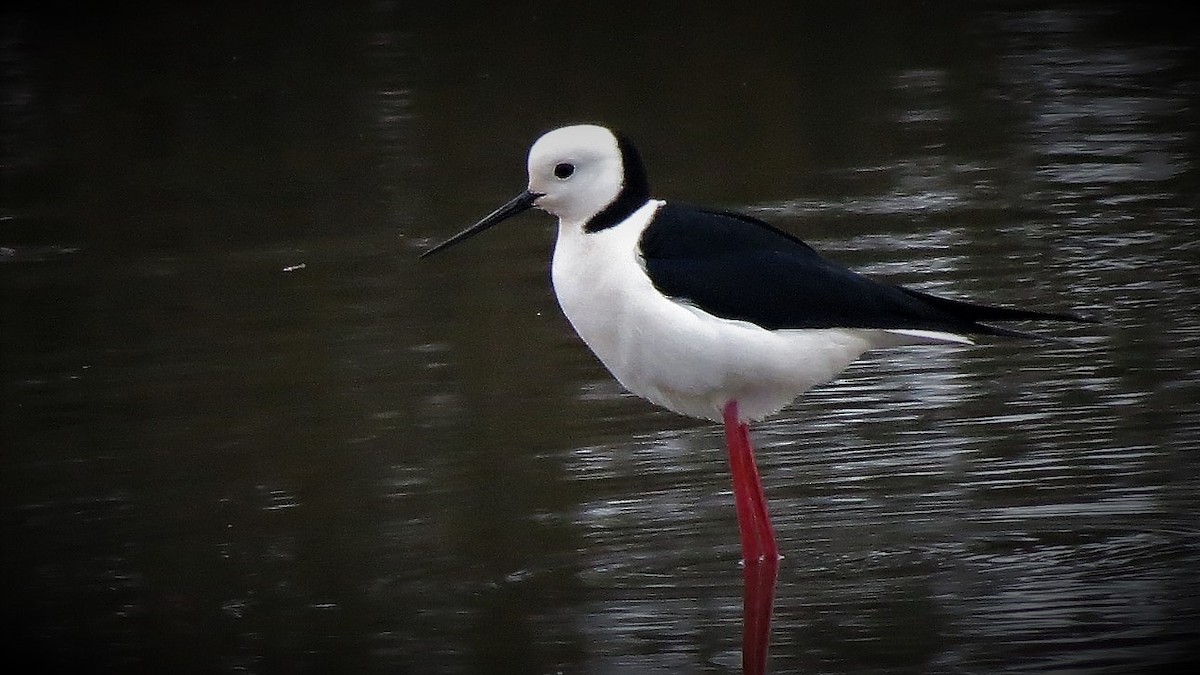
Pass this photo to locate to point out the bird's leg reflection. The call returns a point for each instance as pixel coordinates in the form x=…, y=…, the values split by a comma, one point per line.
x=757, y=601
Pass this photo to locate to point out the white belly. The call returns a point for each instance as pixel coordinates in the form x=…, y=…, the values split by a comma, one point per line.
x=676, y=355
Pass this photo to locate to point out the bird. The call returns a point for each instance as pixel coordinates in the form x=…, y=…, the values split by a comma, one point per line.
x=710, y=313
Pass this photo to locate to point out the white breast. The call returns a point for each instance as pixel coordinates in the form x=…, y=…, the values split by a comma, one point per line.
x=679, y=356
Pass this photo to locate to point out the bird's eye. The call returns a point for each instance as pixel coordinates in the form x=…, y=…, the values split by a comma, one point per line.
x=563, y=170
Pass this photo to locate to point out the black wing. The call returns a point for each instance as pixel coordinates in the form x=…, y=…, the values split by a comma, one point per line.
x=737, y=267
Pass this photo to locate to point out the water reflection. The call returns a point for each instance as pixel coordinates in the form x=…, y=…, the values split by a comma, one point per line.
x=219, y=460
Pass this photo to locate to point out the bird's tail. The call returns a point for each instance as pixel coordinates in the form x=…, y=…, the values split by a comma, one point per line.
x=976, y=315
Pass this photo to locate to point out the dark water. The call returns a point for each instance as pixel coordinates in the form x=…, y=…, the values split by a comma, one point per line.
x=245, y=430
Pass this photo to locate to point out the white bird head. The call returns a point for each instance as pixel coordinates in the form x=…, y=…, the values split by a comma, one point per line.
x=577, y=171
x=585, y=174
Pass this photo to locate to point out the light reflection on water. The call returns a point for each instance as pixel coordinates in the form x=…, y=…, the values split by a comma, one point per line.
x=270, y=439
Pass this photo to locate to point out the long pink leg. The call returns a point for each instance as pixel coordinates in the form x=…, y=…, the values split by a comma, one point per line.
x=754, y=524
x=757, y=602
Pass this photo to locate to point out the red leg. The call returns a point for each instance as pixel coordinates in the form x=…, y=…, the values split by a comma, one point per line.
x=757, y=601
x=754, y=524
x=766, y=533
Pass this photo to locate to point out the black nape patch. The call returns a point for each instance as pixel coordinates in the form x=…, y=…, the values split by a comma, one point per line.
x=635, y=189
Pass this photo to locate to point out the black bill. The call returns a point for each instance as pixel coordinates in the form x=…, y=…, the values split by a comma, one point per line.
x=522, y=202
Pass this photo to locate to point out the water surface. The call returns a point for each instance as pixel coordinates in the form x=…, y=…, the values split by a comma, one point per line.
x=246, y=430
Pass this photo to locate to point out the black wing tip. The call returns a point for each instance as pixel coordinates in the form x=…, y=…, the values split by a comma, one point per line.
x=1002, y=332
x=1038, y=315
x=971, y=311
x=985, y=327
